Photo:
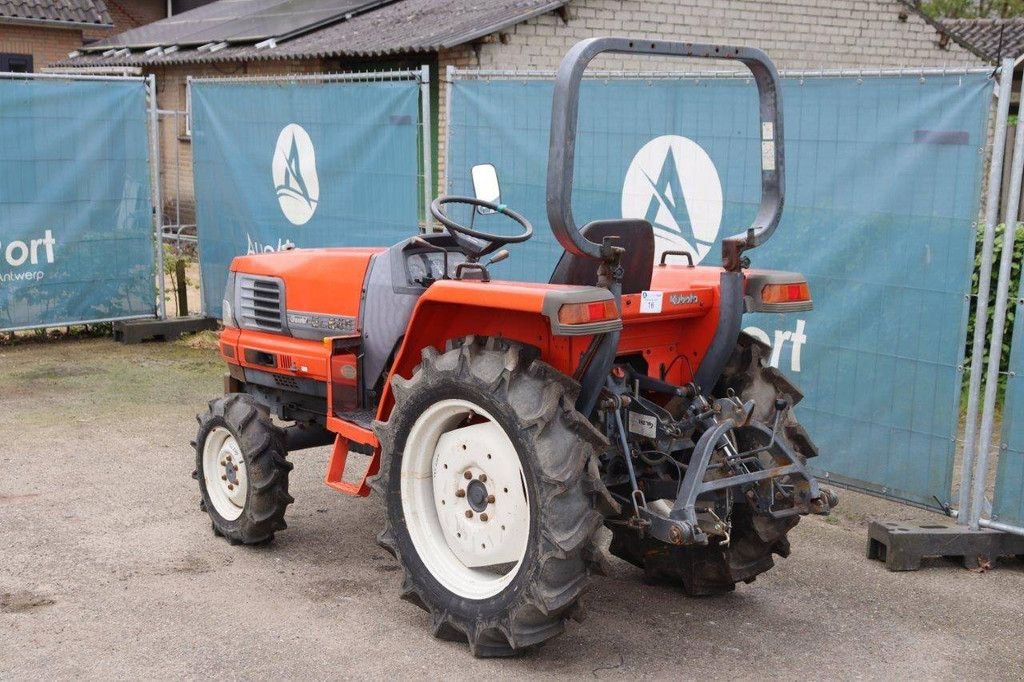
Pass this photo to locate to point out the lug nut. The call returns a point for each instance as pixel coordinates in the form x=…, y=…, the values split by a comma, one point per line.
x=469, y=475
x=223, y=478
x=490, y=499
x=460, y=493
x=483, y=517
x=469, y=513
x=230, y=487
x=483, y=478
x=223, y=462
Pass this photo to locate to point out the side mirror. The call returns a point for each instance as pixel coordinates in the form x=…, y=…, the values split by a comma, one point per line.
x=485, y=185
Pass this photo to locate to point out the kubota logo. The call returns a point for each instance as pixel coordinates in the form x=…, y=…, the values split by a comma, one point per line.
x=295, y=180
x=674, y=185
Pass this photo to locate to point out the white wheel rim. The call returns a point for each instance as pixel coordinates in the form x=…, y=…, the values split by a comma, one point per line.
x=227, y=480
x=471, y=533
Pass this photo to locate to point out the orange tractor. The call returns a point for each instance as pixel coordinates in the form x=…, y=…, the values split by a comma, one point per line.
x=506, y=422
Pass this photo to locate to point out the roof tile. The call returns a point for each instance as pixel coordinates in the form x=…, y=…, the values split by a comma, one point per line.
x=990, y=39
x=405, y=26
x=85, y=12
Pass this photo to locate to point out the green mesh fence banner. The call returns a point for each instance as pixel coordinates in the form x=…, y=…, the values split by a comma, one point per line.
x=301, y=164
x=76, y=216
x=883, y=178
x=1008, y=504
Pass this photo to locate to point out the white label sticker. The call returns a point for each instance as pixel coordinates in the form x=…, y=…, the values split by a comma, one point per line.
x=767, y=155
x=767, y=130
x=643, y=425
x=650, y=301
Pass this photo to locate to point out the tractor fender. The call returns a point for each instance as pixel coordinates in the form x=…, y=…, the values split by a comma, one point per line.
x=517, y=311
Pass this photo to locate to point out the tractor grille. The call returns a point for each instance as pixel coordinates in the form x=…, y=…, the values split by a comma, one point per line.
x=287, y=382
x=260, y=303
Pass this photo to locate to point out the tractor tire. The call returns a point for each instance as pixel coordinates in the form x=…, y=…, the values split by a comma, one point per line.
x=536, y=513
x=711, y=570
x=242, y=470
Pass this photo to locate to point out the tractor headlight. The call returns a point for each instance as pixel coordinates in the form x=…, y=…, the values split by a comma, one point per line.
x=227, y=312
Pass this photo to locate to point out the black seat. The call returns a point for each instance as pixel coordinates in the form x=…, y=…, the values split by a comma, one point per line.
x=635, y=236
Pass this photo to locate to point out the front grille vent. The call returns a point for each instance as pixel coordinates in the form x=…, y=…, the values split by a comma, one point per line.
x=260, y=303
x=287, y=382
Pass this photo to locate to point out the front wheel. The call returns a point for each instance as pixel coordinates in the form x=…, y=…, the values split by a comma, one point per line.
x=484, y=476
x=242, y=470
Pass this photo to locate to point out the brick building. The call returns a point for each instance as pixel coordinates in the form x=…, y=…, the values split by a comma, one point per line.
x=36, y=34
x=528, y=34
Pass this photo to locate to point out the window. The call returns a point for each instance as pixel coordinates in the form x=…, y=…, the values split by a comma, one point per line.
x=17, y=63
x=186, y=97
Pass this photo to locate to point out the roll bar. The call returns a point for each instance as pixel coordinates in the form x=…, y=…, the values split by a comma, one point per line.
x=562, y=146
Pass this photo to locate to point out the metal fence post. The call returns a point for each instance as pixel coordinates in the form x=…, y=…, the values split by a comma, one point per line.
x=967, y=467
x=428, y=170
x=450, y=77
x=995, y=352
x=158, y=216
x=195, y=208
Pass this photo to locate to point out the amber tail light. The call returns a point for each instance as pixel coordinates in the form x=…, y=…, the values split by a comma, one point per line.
x=585, y=313
x=786, y=293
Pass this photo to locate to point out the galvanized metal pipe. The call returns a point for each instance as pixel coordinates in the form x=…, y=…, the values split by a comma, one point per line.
x=428, y=194
x=967, y=467
x=604, y=74
x=451, y=74
x=319, y=77
x=70, y=77
x=995, y=525
x=995, y=352
x=199, y=253
x=158, y=209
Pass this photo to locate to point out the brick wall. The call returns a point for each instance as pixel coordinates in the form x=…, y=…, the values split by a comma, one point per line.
x=46, y=44
x=797, y=34
x=128, y=14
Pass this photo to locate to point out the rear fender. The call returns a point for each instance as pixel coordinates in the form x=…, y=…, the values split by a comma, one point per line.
x=527, y=313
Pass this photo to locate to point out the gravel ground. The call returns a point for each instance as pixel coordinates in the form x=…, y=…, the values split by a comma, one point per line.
x=109, y=570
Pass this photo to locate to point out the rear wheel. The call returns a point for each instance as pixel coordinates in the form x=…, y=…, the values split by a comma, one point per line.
x=754, y=539
x=485, y=480
x=242, y=470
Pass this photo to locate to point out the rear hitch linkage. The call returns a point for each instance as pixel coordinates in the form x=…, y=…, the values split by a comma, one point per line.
x=720, y=418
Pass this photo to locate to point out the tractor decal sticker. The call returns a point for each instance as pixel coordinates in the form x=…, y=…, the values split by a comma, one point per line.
x=295, y=178
x=650, y=301
x=674, y=185
x=683, y=299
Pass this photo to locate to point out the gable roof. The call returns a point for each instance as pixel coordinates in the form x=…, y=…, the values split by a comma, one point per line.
x=990, y=39
x=92, y=13
x=378, y=28
x=237, y=21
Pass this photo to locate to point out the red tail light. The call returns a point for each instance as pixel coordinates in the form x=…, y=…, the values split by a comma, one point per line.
x=585, y=313
x=786, y=293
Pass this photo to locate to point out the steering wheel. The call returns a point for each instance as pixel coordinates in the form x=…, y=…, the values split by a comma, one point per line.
x=470, y=239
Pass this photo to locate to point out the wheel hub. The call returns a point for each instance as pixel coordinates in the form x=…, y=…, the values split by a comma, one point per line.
x=476, y=495
x=464, y=498
x=225, y=474
x=475, y=467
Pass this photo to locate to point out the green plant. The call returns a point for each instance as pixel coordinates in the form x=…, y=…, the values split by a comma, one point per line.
x=172, y=256
x=1018, y=256
x=972, y=9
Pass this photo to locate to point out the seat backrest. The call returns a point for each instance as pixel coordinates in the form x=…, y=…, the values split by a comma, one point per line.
x=635, y=236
